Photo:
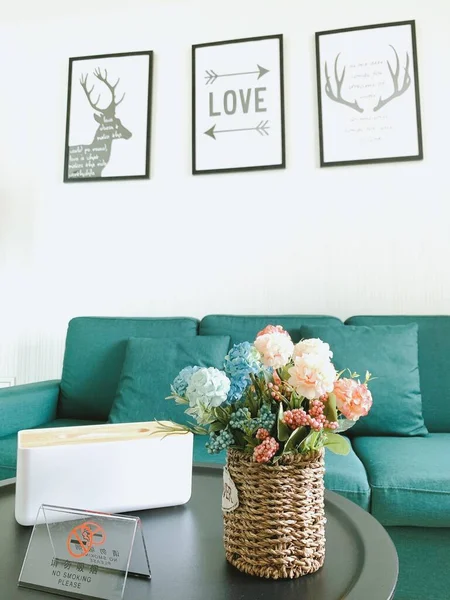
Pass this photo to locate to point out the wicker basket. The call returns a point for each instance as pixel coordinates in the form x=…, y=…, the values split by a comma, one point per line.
x=278, y=529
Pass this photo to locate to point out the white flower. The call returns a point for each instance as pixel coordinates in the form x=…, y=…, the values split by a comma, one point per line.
x=208, y=387
x=312, y=346
x=312, y=376
x=275, y=349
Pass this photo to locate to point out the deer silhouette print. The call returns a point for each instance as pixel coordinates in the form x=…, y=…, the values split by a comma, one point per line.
x=85, y=161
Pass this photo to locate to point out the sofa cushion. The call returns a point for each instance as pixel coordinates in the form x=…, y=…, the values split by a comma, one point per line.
x=434, y=350
x=95, y=349
x=389, y=352
x=150, y=367
x=8, y=445
x=245, y=328
x=409, y=477
x=343, y=474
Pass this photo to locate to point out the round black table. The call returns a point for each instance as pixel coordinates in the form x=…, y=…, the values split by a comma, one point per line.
x=187, y=558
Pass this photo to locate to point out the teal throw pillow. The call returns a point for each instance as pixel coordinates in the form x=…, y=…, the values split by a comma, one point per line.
x=390, y=353
x=149, y=368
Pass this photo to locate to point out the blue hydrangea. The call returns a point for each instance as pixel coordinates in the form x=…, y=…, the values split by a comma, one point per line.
x=237, y=388
x=219, y=441
x=265, y=419
x=181, y=381
x=242, y=361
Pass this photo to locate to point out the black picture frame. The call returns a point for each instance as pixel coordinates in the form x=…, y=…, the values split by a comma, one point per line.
x=320, y=87
x=148, y=114
x=282, y=163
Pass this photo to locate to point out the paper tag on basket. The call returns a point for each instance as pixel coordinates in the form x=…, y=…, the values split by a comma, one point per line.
x=230, y=497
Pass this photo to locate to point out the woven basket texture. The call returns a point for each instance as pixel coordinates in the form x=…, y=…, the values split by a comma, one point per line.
x=278, y=529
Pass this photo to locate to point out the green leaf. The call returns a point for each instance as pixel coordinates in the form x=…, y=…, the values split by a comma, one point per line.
x=337, y=444
x=296, y=400
x=284, y=372
x=216, y=426
x=170, y=428
x=283, y=431
x=239, y=437
x=251, y=441
x=221, y=415
x=178, y=399
x=256, y=383
x=254, y=405
x=310, y=441
x=330, y=410
x=297, y=436
x=198, y=429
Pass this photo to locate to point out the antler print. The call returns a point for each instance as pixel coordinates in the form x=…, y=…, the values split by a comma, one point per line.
x=112, y=88
x=339, y=81
x=398, y=91
x=111, y=109
x=83, y=81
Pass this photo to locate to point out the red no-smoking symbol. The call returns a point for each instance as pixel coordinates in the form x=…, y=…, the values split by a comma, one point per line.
x=82, y=537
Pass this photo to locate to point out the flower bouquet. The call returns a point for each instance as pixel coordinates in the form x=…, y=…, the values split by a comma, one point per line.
x=274, y=407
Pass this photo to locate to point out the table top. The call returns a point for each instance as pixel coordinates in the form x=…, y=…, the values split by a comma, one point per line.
x=187, y=558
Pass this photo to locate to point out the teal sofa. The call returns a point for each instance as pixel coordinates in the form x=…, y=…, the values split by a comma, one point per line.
x=403, y=481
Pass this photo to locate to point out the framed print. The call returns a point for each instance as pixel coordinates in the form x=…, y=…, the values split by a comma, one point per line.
x=238, y=105
x=109, y=117
x=368, y=92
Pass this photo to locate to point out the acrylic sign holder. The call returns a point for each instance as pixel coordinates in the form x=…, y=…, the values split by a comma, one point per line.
x=82, y=554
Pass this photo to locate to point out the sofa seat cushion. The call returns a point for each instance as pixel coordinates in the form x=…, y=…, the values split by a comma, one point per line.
x=95, y=350
x=8, y=445
x=245, y=328
x=343, y=474
x=423, y=554
x=409, y=477
x=347, y=476
x=390, y=353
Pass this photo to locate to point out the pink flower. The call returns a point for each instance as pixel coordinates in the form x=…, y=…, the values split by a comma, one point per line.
x=312, y=375
x=266, y=449
x=275, y=347
x=272, y=329
x=353, y=398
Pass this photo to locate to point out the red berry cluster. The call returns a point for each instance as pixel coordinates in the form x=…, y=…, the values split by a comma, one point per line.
x=274, y=391
x=314, y=418
x=266, y=449
x=262, y=434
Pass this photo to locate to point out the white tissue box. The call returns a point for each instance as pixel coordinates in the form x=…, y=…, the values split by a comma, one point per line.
x=107, y=468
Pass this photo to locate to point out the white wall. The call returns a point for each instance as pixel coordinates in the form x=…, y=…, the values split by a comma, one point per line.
x=341, y=241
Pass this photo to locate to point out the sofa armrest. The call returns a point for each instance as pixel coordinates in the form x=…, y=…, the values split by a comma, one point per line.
x=27, y=406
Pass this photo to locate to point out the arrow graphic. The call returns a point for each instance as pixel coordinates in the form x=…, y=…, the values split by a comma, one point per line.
x=261, y=128
x=211, y=75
